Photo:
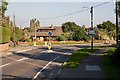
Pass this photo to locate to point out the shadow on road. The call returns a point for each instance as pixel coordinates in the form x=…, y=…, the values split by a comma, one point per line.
x=11, y=77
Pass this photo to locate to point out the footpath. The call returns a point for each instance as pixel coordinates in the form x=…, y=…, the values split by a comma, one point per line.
x=89, y=69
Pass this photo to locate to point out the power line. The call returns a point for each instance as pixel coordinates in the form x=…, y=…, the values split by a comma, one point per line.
x=77, y=11
x=73, y=12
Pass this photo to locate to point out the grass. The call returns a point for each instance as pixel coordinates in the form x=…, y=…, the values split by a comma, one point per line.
x=60, y=43
x=112, y=71
x=75, y=59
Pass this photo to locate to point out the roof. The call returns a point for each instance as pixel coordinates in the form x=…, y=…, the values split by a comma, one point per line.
x=57, y=31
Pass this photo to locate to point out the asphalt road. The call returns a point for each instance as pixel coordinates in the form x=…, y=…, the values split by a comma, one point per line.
x=36, y=64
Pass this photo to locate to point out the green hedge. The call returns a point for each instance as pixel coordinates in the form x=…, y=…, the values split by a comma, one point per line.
x=4, y=34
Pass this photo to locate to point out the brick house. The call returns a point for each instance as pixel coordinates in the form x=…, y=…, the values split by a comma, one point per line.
x=42, y=33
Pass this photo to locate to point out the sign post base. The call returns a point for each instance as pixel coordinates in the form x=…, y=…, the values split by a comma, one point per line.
x=49, y=50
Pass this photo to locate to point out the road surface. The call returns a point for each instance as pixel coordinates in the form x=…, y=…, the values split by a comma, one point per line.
x=36, y=64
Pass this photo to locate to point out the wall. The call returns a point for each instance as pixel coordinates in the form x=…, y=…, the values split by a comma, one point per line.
x=4, y=47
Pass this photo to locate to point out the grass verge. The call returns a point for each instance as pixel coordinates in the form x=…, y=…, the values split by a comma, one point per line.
x=112, y=71
x=75, y=59
x=59, y=43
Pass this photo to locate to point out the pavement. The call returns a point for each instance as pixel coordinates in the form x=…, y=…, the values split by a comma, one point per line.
x=89, y=69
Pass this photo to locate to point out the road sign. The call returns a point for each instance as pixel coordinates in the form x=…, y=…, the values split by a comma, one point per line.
x=91, y=32
x=49, y=46
x=49, y=33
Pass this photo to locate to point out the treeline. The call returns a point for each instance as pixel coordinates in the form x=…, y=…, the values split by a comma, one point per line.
x=104, y=31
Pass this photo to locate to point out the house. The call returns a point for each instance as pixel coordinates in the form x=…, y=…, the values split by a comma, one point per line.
x=42, y=33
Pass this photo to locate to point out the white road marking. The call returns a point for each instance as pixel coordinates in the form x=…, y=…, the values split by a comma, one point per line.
x=11, y=63
x=22, y=59
x=93, y=68
x=17, y=60
x=44, y=68
x=68, y=53
x=5, y=65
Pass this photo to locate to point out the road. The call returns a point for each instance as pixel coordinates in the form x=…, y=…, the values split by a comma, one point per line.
x=36, y=64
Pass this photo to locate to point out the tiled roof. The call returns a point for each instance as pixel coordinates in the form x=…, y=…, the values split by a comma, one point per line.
x=57, y=31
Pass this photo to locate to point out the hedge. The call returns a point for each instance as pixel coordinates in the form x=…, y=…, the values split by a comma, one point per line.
x=4, y=35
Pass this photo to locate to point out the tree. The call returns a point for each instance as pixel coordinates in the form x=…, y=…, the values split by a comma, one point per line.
x=105, y=28
x=75, y=31
x=108, y=25
x=34, y=24
x=3, y=6
x=69, y=27
x=4, y=29
x=80, y=35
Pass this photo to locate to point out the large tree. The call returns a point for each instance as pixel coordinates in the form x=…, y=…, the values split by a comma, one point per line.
x=74, y=31
x=108, y=25
x=3, y=7
x=107, y=29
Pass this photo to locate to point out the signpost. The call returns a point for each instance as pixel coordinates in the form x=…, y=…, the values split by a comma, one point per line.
x=49, y=44
x=91, y=32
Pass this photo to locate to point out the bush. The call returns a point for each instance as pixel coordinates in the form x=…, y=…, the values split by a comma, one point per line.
x=116, y=57
x=61, y=38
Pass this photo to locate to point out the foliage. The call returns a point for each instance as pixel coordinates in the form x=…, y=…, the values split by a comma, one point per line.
x=5, y=34
x=3, y=7
x=61, y=38
x=34, y=24
x=69, y=27
x=74, y=31
x=112, y=71
x=106, y=28
x=26, y=30
x=79, y=35
x=108, y=25
x=19, y=34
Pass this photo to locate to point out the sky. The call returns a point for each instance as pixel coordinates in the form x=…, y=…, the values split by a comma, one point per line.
x=25, y=11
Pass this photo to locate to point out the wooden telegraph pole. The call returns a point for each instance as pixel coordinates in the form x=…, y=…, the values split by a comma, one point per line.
x=14, y=31
x=117, y=31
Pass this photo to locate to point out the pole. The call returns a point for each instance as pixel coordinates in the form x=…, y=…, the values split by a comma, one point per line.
x=117, y=24
x=92, y=26
x=14, y=31
x=35, y=31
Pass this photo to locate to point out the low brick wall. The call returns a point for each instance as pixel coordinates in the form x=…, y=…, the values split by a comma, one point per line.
x=4, y=47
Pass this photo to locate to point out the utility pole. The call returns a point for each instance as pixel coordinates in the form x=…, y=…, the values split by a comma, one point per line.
x=91, y=11
x=14, y=31
x=117, y=44
x=35, y=25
